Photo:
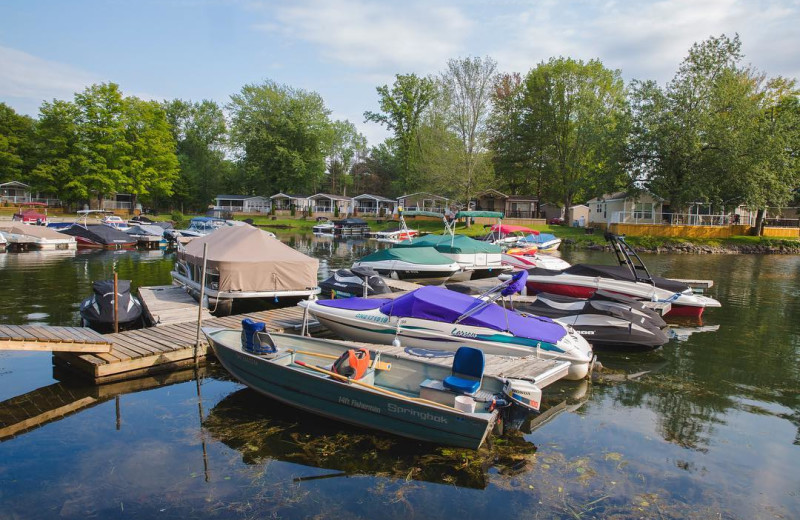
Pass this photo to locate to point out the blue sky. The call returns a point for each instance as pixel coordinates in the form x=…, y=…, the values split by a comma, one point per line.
x=343, y=49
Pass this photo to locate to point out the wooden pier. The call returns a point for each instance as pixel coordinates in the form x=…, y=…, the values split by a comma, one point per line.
x=168, y=305
x=141, y=352
x=56, y=339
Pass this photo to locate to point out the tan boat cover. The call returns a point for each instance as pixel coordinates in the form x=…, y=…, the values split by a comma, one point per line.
x=250, y=260
x=38, y=232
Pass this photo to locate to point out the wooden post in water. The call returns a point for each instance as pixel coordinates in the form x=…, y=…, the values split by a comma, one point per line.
x=200, y=306
x=116, y=307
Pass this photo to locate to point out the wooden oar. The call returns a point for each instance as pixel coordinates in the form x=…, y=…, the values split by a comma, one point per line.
x=373, y=387
x=378, y=365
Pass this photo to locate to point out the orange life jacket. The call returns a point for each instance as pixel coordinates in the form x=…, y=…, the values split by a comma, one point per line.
x=352, y=363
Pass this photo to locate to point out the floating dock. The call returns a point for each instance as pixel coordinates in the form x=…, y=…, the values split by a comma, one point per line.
x=168, y=305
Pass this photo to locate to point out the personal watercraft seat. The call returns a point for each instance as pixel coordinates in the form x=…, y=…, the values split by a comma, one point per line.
x=255, y=339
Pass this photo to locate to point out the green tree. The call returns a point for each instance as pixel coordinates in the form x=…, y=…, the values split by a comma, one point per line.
x=402, y=108
x=281, y=135
x=104, y=147
x=16, y=144
x=719, y=133
x=577, y=115
x=467, y=85
x=344, y=143
x=510, y=151
x=60, y=157
x=201, y=133
x=151, y=167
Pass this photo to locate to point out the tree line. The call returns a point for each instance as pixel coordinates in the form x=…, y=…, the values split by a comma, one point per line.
x=719, y=132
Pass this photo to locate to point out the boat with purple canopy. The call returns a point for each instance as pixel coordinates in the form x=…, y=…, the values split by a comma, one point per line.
x=433, y=317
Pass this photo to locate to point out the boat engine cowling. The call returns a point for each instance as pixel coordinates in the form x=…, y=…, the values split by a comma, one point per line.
x=523, y=393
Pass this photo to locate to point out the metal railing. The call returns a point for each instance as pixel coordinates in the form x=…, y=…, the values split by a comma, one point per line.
x=27, y=200
x=679, y=219
x=115, y=204
x=242, y=209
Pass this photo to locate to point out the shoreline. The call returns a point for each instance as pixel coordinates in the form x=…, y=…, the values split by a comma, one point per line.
x=699, y=249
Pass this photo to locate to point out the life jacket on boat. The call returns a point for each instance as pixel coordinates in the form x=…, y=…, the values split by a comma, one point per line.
x=352, y=363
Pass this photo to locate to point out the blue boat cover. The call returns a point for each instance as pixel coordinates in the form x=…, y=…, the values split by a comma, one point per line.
x=541, y=238
x=440, y=304
x=355, y=304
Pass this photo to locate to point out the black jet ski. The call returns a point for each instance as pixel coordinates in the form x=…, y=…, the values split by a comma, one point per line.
x=346, y=283
x=605, y=319
x=97, y=311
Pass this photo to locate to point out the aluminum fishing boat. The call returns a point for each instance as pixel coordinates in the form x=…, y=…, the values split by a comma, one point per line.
x=630, y=278
x=453, y=406
x=434, y=317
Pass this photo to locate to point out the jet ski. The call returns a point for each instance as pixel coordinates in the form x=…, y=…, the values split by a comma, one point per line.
x=346, y=283
x=97, y=311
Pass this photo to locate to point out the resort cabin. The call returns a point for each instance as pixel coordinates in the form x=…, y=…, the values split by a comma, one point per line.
x=373, y=205
x=243, y=203
x=624, y=208
x=282, y=203
x=16, y=192
x=325, y=204
x=423, y=201
x=118, y=202
x=513, y=206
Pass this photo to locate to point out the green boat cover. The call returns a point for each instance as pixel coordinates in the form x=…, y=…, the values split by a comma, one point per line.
x=416, y=255
x=415, y=213
x=489, y=214
x=459, y=244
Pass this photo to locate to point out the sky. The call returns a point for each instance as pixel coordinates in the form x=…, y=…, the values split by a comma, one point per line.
x=344, y=49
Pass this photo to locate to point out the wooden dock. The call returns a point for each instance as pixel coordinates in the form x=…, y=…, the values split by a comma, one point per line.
x=168, y=305
x=56, y=339
x=137, y=353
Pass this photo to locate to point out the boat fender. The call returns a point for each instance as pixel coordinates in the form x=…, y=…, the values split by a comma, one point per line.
x=353, y=363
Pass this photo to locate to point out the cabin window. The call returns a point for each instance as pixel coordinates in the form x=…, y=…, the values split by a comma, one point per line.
x=643, y=210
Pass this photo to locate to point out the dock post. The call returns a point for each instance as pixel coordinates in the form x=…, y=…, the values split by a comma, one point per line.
x=200, y=305
x=116, y=307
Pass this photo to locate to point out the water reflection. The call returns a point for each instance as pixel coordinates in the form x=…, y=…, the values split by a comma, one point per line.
x=263, y=430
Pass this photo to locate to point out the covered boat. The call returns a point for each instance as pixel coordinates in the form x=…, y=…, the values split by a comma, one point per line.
x=452, y=406
x=433, y=317
x=97, y=311
x=246, y=264
x=543, y=241
x=350, y=226
x=3, y=242
x=37, y=237
x=358, y=281
x=417, y=263
x=100, y=236
x=630, y=278
x=477, y=259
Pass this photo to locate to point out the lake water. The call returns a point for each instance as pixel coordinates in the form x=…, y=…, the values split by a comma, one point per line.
x=711, y=430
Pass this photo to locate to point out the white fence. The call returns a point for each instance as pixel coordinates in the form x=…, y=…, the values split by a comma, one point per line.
x=28, y=200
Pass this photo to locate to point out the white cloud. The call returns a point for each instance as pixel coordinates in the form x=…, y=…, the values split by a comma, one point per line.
x=25, y=76
x=408, y=37
x=647, y=40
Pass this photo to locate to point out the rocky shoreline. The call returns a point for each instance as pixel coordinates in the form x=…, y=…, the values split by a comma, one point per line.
x=689, y=248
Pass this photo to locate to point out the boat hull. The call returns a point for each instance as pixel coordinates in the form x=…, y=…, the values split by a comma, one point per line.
x=334, y=399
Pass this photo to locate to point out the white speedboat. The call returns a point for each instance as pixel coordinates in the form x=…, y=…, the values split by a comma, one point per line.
x=411, y=263
x=436, y=318
x=544, y=241
x=525, y=258
x=630, y=278
x=25, y=236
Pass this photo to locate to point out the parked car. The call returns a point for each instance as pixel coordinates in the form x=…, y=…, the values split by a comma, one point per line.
x=556, y=221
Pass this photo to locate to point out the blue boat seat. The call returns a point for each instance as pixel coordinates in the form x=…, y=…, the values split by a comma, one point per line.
x=468, y=365
x=255, y=338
